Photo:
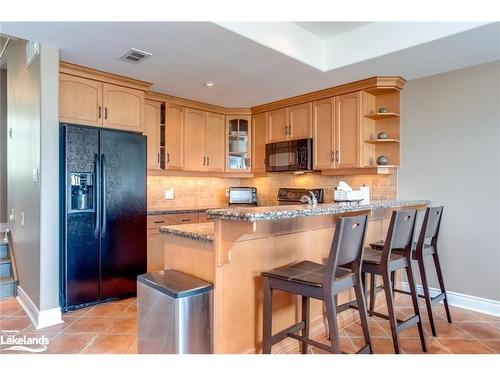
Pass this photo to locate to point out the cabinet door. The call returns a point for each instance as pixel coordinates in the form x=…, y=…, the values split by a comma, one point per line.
x=278, y=125
x=238, y=144
x=152, y=114
x=175, y=130
x=123, y=108
x=214, y=142
x=259, y=126
x=323, y=132
x=80, y=100
x=194, y=140
x=347, y=131
x=300, y=122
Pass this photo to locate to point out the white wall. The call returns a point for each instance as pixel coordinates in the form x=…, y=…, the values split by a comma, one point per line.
x=450, y=154
x=3, y=146
x=32, y=113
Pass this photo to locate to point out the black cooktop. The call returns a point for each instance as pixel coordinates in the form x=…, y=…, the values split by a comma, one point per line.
x=293, y=195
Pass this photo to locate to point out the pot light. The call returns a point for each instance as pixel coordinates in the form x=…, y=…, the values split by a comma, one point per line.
x=209, y=84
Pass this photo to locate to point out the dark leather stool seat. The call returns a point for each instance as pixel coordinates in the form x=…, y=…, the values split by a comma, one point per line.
x=323, y=282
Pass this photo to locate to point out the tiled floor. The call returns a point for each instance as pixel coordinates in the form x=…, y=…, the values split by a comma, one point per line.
x=111, y=328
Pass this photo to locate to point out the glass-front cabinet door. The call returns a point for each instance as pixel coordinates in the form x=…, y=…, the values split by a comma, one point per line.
x=238, y=143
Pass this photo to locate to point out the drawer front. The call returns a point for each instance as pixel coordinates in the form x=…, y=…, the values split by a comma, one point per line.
x=203, y=217
x=157, y=221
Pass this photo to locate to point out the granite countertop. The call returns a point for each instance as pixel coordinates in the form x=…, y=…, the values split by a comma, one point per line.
x=200, y=232
x=268, y=213
x=171, y=211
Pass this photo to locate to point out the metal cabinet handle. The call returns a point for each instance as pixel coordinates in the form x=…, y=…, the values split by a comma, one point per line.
x=286, y=130
x=184, y=220
x=158, y=157
x=159, y=221
x=105, y=113
x=332, y=156
x=99, y=108
x=337, y=155
x=208, y=160
x=168, y=157
x=97, y=168
x=103, y=196
x=204, y=160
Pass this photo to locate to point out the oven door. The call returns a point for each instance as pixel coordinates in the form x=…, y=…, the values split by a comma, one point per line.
x=289, y=156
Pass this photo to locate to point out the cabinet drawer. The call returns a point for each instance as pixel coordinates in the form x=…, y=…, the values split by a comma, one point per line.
x=203, y=217
x=157, y=221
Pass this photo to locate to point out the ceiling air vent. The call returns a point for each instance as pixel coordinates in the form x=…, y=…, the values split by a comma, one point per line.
x=135, y=56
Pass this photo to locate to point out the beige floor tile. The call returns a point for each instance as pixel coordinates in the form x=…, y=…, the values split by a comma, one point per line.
x=492, y=344
x=123, y=326
x=458, y=346
x=65, y=343
x=90, y=325
x=111, y=344
x=480, y=330
x=106, y=310
x=414, y=346
x=15, y=323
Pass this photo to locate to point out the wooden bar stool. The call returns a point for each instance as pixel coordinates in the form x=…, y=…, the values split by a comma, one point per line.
x=386, y=262
x=426, y=246
x=314, y=280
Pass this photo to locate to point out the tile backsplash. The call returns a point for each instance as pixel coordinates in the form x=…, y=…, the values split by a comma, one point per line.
x=207, y=192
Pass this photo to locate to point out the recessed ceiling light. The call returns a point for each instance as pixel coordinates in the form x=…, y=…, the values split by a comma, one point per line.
x=209, y=84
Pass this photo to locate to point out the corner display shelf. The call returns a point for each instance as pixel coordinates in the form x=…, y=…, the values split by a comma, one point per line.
x=382, y=141
x=375, y=122
x=380, y=116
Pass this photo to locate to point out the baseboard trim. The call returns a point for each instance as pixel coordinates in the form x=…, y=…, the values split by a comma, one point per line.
x=479, y=304
x=40, y=319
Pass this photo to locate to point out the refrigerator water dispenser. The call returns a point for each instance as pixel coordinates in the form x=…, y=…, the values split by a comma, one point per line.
x=82, y=192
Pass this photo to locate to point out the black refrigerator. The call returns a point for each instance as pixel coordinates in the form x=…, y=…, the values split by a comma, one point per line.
x=103, y=214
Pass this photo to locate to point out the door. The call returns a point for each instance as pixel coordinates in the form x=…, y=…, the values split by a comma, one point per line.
x=215, y=136
x=300, y=121
x=80, y=258
x=80, y=100
x=259, y=125
x=152, y=113
x=323, y=131
x=175, y=127
x=194, y=140
x=347, y=131
x=123, y=218
x=123, y=108
x=278, y=125
x=238, y=144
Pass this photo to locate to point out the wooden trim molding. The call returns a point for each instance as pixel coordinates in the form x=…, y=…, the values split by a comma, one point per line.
x=186, y=173
x=99, y=75
x=373, y=83
x=188, y=103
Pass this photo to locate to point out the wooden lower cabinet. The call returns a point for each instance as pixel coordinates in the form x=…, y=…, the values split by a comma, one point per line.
x=152, y=113
x=123, y=108
x=174, y=158
x=80, y=100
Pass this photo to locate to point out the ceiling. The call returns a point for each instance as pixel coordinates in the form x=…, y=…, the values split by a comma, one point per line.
x=255, y=63
x=327, y=30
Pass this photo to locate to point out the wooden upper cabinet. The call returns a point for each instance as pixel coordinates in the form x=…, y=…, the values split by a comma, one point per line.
x=259, y=127
x=300, y=121
x=194, y=140
x=123, y=108
x=174, y=134
x=278, y=125
x=323, y=133
x=152, y=113
x=215, y=136
x=348, y=130
x=80, y=100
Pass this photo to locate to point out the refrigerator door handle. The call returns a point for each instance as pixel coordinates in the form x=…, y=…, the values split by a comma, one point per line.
x=97, y=168
x=103, y=195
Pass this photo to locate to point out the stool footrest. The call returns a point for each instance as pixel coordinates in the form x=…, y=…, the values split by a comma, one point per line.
x=410, y=322
x=383, y=316
x=436, y=299
x=311, y=342
x=286, y=332
x=365, y=350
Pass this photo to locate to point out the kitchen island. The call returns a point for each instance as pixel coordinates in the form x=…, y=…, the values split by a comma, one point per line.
x=241, y=243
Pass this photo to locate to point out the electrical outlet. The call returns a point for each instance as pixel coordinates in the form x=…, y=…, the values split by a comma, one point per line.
x=169, y=193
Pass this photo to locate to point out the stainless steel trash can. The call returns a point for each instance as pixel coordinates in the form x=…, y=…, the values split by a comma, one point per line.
x=174, y=313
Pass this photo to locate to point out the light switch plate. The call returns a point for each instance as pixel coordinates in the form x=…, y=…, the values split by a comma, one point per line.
x=169, y=194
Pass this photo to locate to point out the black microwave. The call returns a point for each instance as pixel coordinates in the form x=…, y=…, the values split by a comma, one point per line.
x=290, y=156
